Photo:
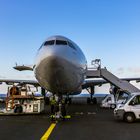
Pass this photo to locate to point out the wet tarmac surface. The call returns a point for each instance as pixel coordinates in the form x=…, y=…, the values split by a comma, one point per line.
x=87, y=122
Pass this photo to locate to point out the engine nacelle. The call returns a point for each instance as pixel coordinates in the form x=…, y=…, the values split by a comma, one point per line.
x=78, y=91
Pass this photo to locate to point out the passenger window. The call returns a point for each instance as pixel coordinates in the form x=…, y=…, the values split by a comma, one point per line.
x=138, y=99
x=61, y=42
x=51, y=42
x=109, y=99
x=135, y=101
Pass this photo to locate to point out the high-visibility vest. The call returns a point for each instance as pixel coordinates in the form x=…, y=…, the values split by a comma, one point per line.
x=53, y=101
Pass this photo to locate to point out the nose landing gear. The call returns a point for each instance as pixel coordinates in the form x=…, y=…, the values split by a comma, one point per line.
x=60, y=112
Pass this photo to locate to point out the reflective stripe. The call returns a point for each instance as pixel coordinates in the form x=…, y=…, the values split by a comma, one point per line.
x=53, y=102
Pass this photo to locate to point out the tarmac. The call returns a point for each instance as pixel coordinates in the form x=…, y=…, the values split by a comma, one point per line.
x=88, y=122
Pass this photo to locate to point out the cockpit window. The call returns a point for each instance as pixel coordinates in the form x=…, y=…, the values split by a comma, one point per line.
x=50, y=42
x=61, y=42
x=71, y=45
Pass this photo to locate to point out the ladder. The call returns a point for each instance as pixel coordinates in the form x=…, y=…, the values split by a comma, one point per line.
x=98, y=72
x=114, y=80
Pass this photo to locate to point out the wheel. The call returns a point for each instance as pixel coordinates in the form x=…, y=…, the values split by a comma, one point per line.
x=94, y=100
x=112, y=106
x=129, y=117
x=88, y=100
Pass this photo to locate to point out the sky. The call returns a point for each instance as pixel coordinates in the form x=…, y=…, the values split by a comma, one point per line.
x=105, y=29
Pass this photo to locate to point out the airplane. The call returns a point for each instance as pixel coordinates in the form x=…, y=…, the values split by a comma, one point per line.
x=60, y=67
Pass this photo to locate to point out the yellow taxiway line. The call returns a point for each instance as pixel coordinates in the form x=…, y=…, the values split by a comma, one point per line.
x=48, y=132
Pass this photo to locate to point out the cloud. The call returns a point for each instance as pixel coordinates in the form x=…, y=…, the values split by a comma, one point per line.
x=134, y=70
x=30, y=77
x=120, y=71
x=128, y=72
x=2, y=77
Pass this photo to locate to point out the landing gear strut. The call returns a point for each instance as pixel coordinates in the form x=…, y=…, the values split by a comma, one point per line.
x=91, y=99
x=60, y=110
x=68, y=100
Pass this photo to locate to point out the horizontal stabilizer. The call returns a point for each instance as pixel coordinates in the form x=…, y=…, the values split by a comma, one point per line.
x=23, y=67
x=20, y=82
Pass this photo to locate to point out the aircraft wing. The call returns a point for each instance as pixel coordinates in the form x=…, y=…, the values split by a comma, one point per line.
x=21, y=82
x=109, y=78
x=88, y=83
x=99, y=82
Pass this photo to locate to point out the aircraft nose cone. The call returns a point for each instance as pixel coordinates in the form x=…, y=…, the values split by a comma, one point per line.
x=59, y=70
x=51, y=73
x=54, y=66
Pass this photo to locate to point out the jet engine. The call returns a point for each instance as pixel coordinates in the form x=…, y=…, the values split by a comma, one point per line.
x=78, y=91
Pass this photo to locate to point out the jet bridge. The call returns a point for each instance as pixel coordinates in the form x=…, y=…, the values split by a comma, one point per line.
x=98, y=72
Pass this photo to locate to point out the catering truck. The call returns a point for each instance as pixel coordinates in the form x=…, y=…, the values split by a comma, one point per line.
x=110, y=101
x=20, y=100
x=129, y=110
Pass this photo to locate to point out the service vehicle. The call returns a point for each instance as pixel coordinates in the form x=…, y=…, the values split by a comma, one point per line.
x=129, y=110
x=110, y=101
x=20, y=100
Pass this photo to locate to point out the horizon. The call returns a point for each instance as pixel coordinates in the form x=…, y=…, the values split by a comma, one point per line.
x=107, y=30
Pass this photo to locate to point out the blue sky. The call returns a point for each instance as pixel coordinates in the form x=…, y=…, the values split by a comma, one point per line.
x=105, y=29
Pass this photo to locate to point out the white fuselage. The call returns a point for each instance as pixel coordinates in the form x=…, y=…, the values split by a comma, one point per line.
x=60, y=65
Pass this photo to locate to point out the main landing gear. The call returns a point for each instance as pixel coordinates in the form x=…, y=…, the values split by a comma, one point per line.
x=92, y=99
x=68, y=99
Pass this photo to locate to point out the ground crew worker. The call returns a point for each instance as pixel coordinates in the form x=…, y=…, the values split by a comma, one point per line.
x=63, y=109
x=53, y=104
x=60, y=111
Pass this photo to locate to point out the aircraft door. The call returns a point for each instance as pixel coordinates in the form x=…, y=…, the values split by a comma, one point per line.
x=135, y=106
